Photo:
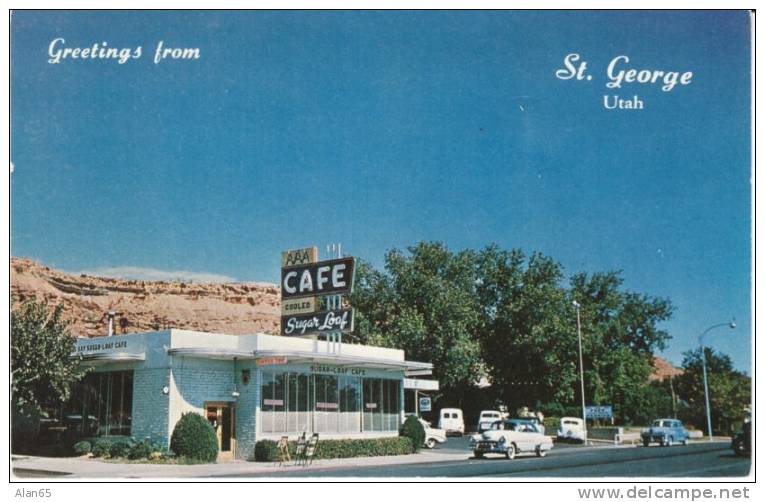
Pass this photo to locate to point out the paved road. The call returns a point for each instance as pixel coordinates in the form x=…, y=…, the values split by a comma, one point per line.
x=693, y=460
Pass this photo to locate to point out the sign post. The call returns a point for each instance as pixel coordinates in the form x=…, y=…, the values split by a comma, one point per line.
x=604, y=412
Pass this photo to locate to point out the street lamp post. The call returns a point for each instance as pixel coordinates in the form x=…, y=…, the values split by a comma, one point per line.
x=731, y=325
x=577, y=306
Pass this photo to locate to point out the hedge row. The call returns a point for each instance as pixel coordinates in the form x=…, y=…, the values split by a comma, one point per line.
x=122, y=448
x=266, y=451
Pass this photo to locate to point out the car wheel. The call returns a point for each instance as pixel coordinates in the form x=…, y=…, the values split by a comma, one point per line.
x=541, y=452
x=684, y=442
x=510, y=453
x=430, y=443
x=478, y=454
x=646, y=443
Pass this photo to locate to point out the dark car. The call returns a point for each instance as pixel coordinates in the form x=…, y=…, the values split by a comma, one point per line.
x=742, y=441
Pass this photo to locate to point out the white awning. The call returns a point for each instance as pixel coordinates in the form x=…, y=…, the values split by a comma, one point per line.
x=211, y=353
x=347, y=360
x=112, y=357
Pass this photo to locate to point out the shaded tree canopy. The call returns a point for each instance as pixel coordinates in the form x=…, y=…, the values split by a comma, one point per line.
x=730, y=391
x=508, y=316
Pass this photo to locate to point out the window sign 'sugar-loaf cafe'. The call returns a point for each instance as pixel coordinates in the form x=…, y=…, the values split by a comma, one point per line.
x=249, y=387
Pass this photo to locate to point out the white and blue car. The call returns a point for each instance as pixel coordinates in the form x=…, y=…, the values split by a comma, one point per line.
x=666, y=432
x=509, y=438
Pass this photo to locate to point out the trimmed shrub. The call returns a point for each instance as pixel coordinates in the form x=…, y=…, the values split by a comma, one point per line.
x=144, y=449
x=265, y=449
x=82, y=447
x=194, y=438
x=120, y=447
x=413, y=430
x=101, y=447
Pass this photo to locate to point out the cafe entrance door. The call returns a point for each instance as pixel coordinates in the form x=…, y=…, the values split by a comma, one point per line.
x=221, y=416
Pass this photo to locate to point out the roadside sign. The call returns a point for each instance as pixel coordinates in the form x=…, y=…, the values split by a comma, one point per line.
x=302, y=256
x=299, y=306
x=424, y=404
x=296, y=258
x=330, y=277
x=318, y=322
x=605, y=412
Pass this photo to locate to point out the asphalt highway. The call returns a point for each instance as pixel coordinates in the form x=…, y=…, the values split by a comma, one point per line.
x=564, y=461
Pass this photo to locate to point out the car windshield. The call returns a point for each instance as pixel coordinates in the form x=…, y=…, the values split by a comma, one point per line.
x=662, y=423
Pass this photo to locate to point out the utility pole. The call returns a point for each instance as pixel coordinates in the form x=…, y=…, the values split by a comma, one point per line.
x=577, y=306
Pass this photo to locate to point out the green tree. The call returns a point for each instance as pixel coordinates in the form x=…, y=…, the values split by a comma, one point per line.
x=508, y=316
x=526, y=343
x=620, y=332
x=730, y=391
x=425, y=304
x=42, y=369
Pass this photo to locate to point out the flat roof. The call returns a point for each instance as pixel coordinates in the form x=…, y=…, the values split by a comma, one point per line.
x=199, y=344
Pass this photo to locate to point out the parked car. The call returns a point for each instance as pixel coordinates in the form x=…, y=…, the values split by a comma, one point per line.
x=571, y=429
x=450, y=420
x=486, y=418
x=742, y=441
x=511, y=437
x=666, y=432
x=432, y=436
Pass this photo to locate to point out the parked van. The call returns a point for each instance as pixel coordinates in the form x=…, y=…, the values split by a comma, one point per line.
x=487, y=418
x=450, y=420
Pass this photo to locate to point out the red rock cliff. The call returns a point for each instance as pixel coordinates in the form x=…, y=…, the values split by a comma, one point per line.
x=235, y=308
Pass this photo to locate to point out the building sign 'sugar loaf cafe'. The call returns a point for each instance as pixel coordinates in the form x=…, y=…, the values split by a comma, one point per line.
x=250, y=387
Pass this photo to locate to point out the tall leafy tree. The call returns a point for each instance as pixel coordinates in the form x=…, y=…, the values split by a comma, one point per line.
x=508, y=316
x=42, y=369
x=620, y=333
x=730, y=391
x=526, y=341
x=426, y=304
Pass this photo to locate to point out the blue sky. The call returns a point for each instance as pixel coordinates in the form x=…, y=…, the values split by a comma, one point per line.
x=381, y=129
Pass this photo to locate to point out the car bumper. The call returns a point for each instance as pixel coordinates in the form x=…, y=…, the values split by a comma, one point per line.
x=489, y=447
x=655, y=438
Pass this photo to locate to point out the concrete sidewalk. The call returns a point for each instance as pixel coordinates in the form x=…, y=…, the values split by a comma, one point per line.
x=77, y=468
x=61, y=469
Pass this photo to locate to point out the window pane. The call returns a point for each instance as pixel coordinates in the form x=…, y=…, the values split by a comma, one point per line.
x=266, y=402
x=279, y=402
x=373, y=405
x=327, y=403
x=127, y=403
x=349, y=405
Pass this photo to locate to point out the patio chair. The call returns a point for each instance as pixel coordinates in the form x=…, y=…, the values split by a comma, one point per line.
x=283, y=450
x=300, y=448
x=310, y=449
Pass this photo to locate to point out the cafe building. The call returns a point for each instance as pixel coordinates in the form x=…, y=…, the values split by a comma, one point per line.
x=250, y=387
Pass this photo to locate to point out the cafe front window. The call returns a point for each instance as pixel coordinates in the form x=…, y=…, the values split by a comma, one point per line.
x=101, y=405
x=299, y=402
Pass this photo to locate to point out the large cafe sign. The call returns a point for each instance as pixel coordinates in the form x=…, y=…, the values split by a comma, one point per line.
x=304, y=281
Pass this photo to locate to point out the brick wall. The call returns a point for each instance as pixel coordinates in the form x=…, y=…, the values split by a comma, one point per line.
x=246, y=413
x=150, y=404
